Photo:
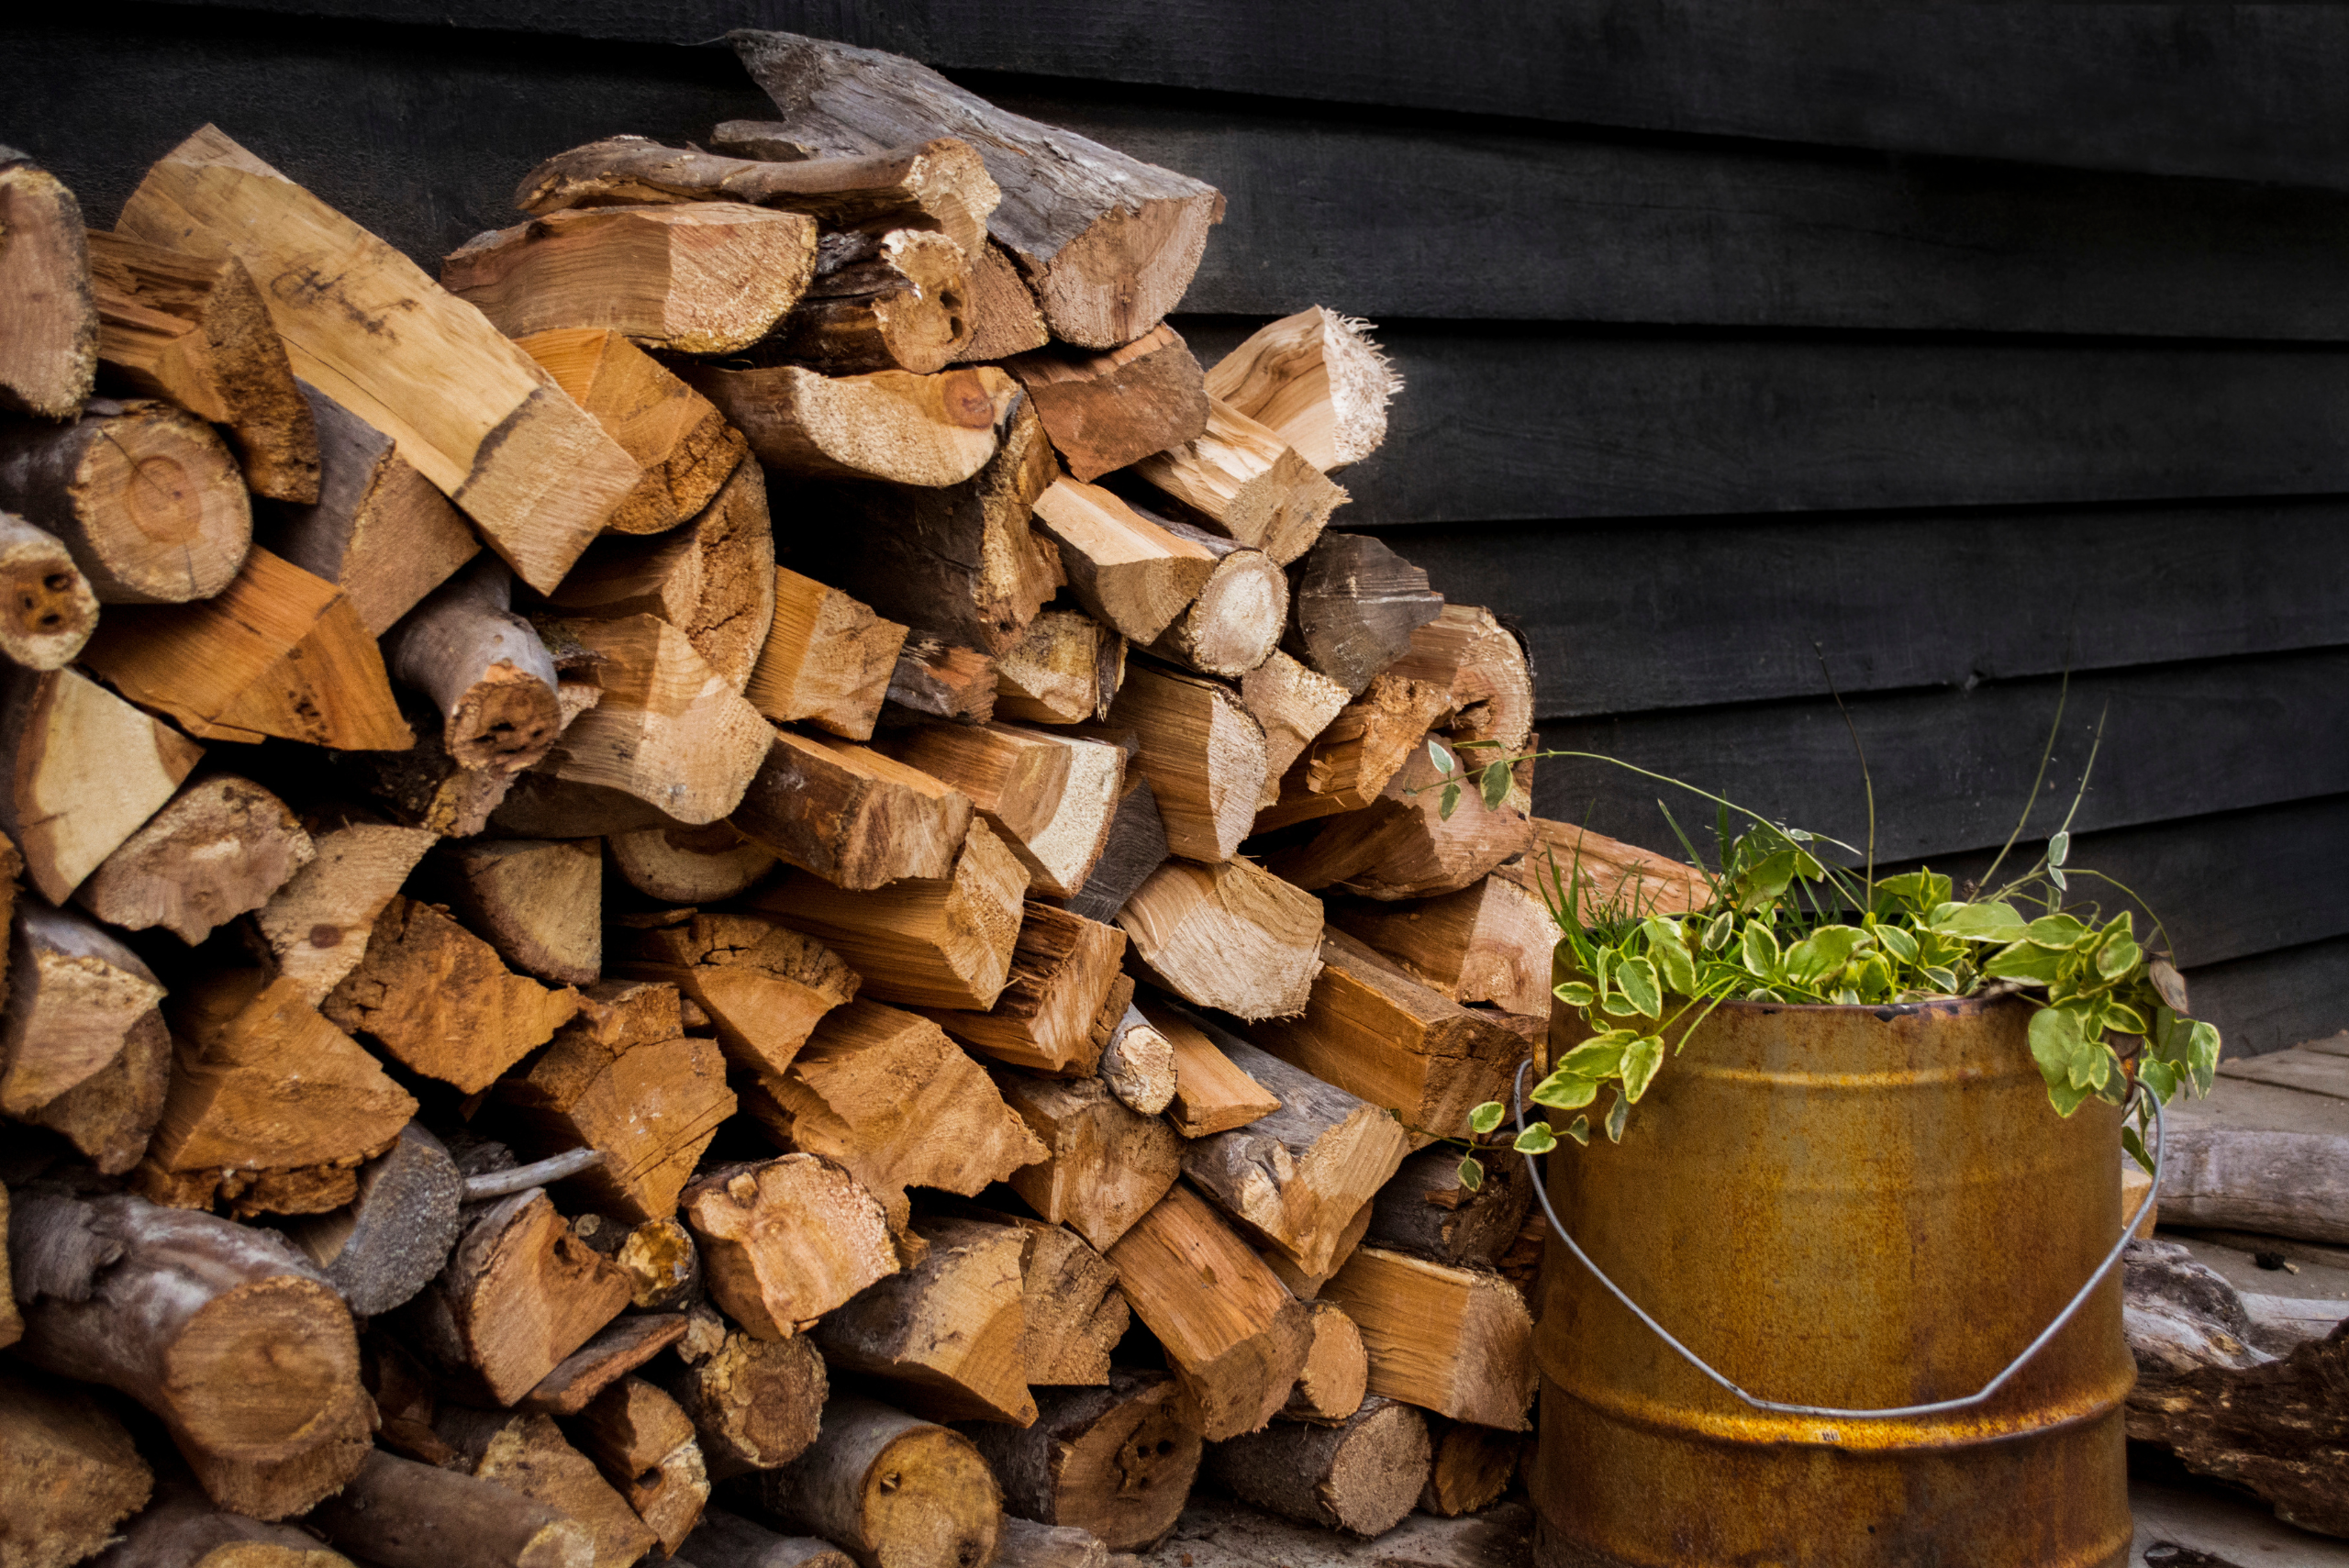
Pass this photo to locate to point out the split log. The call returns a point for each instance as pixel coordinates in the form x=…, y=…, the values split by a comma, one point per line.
x=484, y=667
x=646, y=1447
x=936, y=679
x=400, y=1514
x=1457, y=1341
x=1203, y=754
x=527, y=1454
x=1137, y=1062
x=1610, y=875
x=1359, y=753
x=1426, y=1212
x=1376, y=1033
x=1103, y=1166
x=1306, y=1287
x=947, y=1335
x=1355, y=605
x=1065, y=670
x=1235, y=622
x=683, y=450
x=436, y=998
x=1469, y=1467
x=87, y=770
x=1026, y=1545
x=395, y=1234
x=689, y=865
x=888, y=1097
x=470, y=411
x=1362, y=1475
x=147, y=499
x=1105, y=411
x=1316, y=380
x=1049, y=797
x=46, y=611
x=223, y=1330
x=1062, y=968
x=1490, y=943
x=663, y=1265
x=1005, y=320
x=1294, y=706
x=1483, y=666
x=221, y=848
x=1211, y=1094
x=669, y=729
x=1231, y=1331
x=48, y=326
x=1107, y=243
x=763, y=984
x=110, y=1116
x=534, y=900
x=519, y=1294
x=892, y=1491
x=378, y=529
x=1117, y=1461
x=1069, y=1296
x=318, y=925
x=729, y=1541
x=703, y=278
x=1130, y=574
x=182, y=1529
x=827, y=659
x=852, y=816
x=893, y=300
x=926, y=941
x=1336, y=1368
x=930, y=431
x=74, y=994
x=1246, y=483
x=939, y=184
x=1402, y=846
x=69, y=1472
x=1134, y=849
x=2259, y=1157
x=1231, y=937
x=785, y=1241
x=755, y=1403
x=193, y=331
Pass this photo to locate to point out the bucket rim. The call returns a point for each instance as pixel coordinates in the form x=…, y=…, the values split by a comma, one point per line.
x=1884, y=1012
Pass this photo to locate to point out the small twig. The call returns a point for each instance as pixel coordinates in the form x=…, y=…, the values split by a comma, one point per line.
x=521, y=1178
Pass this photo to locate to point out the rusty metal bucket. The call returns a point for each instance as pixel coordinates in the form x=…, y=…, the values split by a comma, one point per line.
x=1866, y=1207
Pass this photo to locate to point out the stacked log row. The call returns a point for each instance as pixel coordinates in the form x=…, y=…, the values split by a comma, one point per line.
x=552, y=1018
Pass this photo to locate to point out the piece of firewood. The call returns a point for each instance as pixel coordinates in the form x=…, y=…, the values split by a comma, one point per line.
x=1230, y=1330
x=1246, y=483
x=529, y=1455
x=662, y=1264
x=193, y=331
x=940, y=183
x=1336, y=1368
x=689, y=865
x=892, y=300
x=1107, y=243
x=48, y=326
x=1402, y=845
x=1075, y=1315
x=1063, y=967
x=886, y=1095
x=222, y=846
x=1211, y=1094
x=1469, y=1467
x=646, y=1447
x=1294, y=1178
x=1231, y=936
x=909, y=429
x=926, y=941
x=891, y=1490
x=785, y=1241
x=488, y=674
x=1202, y=752
x=685, y=452
x=933, y=680
x=1316, y=380
x=1483, y=666
x=85, y=770
x=1363, y=1475
x=1107, y=410
x=852, y=816
x=317, y=926
x=1137, y=1062
x=827, y=659
x=46, y=611
x=1353, y=608
x=69, y=1472
x=669, y=729
x=946, y=1334
x=74, y=993
x=1134, y=849
x=1065, y=670
x=1457, y=1341
x=90, y=483
x=111, y=1115
x=470, y=411
x=1116, y=1460
x=763, y=984
x=1359, y=753
x=378, y=531
x=1306, y=1287
x=755, y=1403
x=12, y=1321
x=1425, y=1211
x=729, y=1541
x=401, y=1514
x=1026, y=1544
x=537, y=901
x=701, y=278
x=1610, y=875
x=436, y=998
x=1049, y=797
x=1104, y=1166
x=1236, y=622
x=1490, y=943
x=1133, y=575
x=225, y=1331
x=395, y=1234
x=181, y=1529
x=1294, y=706
x=1005, y=319
x=714, y=579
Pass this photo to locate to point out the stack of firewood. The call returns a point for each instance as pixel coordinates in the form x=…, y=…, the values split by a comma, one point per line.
x=876, y=976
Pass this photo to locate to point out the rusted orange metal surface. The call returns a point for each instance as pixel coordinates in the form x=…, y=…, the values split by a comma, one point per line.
x=1846, y=1206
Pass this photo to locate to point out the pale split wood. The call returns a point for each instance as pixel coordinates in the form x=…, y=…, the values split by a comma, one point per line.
x=1137, y=1062
x=74, y=993
x=69, y=1472
x=1202, y=752
x=1102, y=1166
x=1130, y=573
x=1483, y=664
x=1457, y=1341
x=852, y=816
x=928, y=430
x=1488, y=943
x=1316, y=380
x=1359, y=753
x=110, y=1114
x=763, y=984
x=827, y=659
x=1293, y=705
x=1235, y=624
x=1005, y=320
x=1049, y=797
x=689, y=865
x=1231, y=936
x=1107, y=410
x=48, y=324
x=684, y=450
x=535, y=900
x=317, y=924
x=223, y=846
x=1066, y=669
x=1135, y=848
x=1212, y=1093
x=1469, y=1467
x=787, y=1240
x=1062, y=969
x=1306, y=1287
x=1247, y=483
x=47, y=610
x=1402, y=845
x=1116, y=1460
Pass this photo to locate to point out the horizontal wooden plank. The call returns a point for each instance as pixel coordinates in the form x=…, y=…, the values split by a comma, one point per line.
x=1625, y=617
x=2277, y=999
x=2251, y=91
x=1500, y=423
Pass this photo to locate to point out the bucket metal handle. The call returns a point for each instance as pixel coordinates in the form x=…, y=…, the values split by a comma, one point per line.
x=1939, y=1407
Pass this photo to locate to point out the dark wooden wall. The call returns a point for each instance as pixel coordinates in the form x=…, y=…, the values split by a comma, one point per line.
x=1938, y=350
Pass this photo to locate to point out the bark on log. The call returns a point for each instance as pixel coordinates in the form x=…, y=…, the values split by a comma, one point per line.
x=1425, y=1211
x=1355, y=605
x=394, y=1235
x=1316, y=380
x=400, y=1514
x=729, y=1541
x=684, y=451
x=1469, y=1468
x=1065, y=670
x=1457, y=1341
x=1134, y=849
x=69, y=1472
x=2234, y=1164
x=764, y=986
x=484, y=667
x=1026, y=1544
x=1062, y=969
x=1130, y=574
x=47, y=610
x=755, y=1403
x=535, y=900
x=1049, y=797
x=182, y=1529
x=892, y=1491
x=1117, y=1461
x=223, y=846
x=646, y=1447
x=318, y=925
x=946, y=1336
x=1107, y=410
x=529, y=1455
x=1103, y=1166
x=1490, y=943
x=1362, y=1475
x=893, y=300
x=1246, y=483
x=85, y=770
x=928, y=430
x=1231, y=937
x=852, y=816
x=937, y=680
x=827, y=659
x=48, y=326
x=1212, y=1095
x=785, y=1241
x=1336, y=1368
